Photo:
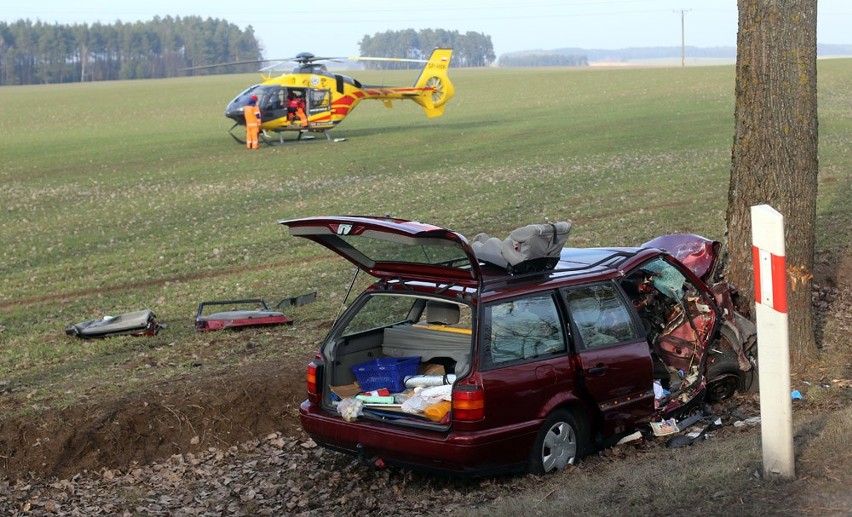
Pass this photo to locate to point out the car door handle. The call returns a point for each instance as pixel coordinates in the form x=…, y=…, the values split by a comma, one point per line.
x=598, y=370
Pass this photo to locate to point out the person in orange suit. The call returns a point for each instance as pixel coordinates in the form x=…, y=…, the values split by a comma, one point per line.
x=252, y=115
x=296, y=108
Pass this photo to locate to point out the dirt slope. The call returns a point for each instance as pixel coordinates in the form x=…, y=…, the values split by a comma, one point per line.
x=178, y=416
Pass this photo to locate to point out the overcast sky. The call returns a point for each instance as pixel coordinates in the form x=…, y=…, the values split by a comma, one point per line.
x=335, y=27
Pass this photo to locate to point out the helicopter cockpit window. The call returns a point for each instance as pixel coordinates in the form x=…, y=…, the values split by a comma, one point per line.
x=243, y=98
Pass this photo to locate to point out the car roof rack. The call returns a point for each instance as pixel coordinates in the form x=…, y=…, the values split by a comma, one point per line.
x=603, y=262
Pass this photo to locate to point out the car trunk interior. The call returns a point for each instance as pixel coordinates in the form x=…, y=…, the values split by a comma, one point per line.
x=430, y=345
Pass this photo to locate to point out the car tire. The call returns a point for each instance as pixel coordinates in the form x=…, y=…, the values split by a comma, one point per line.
x=724, y=377
x=560, y=442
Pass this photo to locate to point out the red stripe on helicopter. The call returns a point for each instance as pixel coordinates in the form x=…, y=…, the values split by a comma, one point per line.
x=345, y=101
x=388, y=91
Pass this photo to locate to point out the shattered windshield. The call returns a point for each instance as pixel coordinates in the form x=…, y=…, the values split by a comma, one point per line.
x=666, y=279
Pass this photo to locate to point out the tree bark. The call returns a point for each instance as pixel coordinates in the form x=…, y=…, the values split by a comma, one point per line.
x=774, y=155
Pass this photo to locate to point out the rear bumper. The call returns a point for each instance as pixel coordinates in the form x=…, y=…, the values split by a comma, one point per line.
x=478, y=453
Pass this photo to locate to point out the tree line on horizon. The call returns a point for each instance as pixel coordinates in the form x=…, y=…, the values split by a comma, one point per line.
x=471, y=49
x=41, y=53
x=541, y=59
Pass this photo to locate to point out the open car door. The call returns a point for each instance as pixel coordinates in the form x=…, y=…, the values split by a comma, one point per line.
x=394, y=248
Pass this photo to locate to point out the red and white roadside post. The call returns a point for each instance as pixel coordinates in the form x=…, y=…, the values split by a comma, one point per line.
x=770, y=301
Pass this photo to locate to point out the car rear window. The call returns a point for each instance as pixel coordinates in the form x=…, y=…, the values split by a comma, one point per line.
x=380, y=311
x=380, y=247
x=387, y=310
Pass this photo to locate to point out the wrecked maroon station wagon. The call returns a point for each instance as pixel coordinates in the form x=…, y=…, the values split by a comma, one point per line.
x=485, y=356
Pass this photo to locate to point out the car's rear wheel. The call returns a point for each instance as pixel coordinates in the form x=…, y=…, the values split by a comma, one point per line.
x=560, y=442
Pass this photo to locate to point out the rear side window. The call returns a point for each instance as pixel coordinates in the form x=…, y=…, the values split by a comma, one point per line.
x=319, y=100
x=601, y=316
x=522, y=329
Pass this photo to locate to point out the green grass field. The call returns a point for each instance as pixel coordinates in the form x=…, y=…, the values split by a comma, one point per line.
x=127, y=195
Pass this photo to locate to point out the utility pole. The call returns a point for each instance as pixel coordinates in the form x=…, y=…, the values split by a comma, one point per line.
x=683, y=35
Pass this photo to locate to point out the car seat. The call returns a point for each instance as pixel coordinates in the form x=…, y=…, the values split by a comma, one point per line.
x=442, y=313
x=535, y=247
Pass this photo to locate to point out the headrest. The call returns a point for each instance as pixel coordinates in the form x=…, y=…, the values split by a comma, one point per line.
x=442, y=313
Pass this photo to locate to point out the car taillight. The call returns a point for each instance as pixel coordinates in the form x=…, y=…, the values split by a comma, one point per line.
x=311, y=378
x=468, y=403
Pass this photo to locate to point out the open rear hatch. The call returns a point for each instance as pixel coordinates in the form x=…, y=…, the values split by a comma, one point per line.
x=394, y=248
x=391, y=342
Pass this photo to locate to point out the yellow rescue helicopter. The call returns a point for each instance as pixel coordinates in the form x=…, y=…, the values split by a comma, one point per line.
x=311, y=99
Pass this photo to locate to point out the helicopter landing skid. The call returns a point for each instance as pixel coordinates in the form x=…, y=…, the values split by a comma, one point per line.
x=265, y=136
x=310, y=137
x=302, y=136
x=231, y=132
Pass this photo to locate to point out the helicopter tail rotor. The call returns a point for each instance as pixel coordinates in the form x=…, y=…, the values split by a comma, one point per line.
x=435, y=83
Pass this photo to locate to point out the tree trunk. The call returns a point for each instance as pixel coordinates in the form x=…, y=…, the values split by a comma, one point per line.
x=774, y=156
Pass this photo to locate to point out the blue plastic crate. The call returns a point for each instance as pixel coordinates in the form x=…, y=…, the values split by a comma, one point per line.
x=386, y=372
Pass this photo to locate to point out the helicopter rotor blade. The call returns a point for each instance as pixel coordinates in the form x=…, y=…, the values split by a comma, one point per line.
x=272, y=67
x=390, y=59
x=230, y=63
x=324, y=58
x=304, y=58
